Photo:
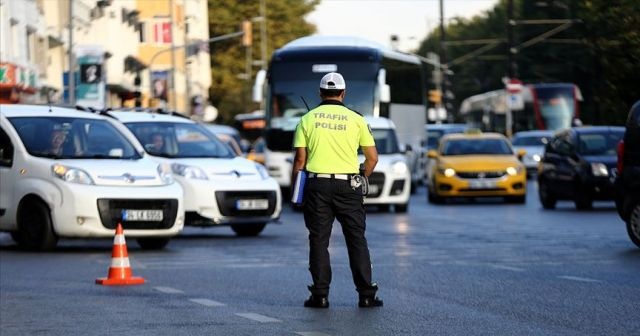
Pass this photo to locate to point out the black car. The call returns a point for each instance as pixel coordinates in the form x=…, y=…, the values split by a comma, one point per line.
x=579, y=164
x=628, y=179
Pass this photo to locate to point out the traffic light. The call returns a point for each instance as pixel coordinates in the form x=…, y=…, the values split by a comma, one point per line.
x=435, y=96
x=247, y=30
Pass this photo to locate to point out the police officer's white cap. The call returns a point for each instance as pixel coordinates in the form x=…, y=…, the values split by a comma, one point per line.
x=333, y=81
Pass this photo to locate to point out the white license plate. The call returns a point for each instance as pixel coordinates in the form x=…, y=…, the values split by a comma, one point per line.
x=481, y=184
x=252, y=204
x=373, y=189
x=142, y=215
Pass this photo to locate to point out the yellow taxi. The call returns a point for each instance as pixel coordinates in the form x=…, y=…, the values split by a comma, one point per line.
x=476, y=164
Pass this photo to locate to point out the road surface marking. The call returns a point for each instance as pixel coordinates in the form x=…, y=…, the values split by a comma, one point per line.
x=168, y=290
x=258, y=317
x=507, y=268
x=311, y=333
x=574, y=278
x=208, y=303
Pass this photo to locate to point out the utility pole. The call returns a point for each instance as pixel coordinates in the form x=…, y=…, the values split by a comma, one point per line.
x=511, y=50
x=187, y=75
x=172, y=86
x=443, y=61
x=71, y=75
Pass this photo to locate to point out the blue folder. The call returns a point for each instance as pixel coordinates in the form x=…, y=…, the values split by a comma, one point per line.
x=298, y=188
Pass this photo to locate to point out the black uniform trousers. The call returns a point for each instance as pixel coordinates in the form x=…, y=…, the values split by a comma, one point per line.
x=325, y=200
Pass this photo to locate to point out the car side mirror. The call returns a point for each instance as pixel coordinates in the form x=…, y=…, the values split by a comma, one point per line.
x=432, y=154
x=521, y=154
x=408, y=148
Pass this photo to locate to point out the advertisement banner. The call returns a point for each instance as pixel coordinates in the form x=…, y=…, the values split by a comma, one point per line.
x=90, y=89
x=160, y=85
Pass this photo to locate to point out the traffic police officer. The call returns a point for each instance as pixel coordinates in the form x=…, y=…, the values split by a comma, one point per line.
x=326, y=145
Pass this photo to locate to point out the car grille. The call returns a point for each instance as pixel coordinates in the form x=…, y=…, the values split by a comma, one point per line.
x=376, y=179
x=111, y=213
x=475, y=175
x=227, y=202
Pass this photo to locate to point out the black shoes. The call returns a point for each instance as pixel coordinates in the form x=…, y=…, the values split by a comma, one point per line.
x=369, y=302
x=315, y=301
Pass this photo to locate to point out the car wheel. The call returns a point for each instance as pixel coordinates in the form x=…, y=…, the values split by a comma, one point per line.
x=152, y=243
x=547, y=199
x=433, y=198
x=401, y=208
x=633, y=225
x=517, y=199
x=248, y=230
x=413, y=187
x=35, y=230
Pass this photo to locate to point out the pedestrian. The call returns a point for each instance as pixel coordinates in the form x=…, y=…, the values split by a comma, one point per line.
x=326, y=144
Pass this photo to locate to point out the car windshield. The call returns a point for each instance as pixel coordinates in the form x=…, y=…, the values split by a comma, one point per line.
x=476, y=146
x=73, y=138
x=599, y=143
x=386, y=141
x=433, y=137
x=179, y=140
x=530, y=140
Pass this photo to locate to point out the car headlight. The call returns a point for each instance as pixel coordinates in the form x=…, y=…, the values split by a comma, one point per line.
x=599, y=169
x=399, y=167
x=513, y=171
x=190, y=172
x=448, y=172
x=70, y=174
x=264, y=174
x=164, y=170
x=536, y=157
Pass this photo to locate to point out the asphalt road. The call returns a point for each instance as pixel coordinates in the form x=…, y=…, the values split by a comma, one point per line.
x=466, y=268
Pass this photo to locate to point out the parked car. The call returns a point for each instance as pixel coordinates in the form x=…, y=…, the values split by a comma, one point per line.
x=390, y=182
x=628, y=177
x=579, y=164
x=533, y=143
x=71, y=174
x=476, y=164
x=220, y=188
x=433, y=134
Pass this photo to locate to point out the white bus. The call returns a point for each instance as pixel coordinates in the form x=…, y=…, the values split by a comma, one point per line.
x=380, y=82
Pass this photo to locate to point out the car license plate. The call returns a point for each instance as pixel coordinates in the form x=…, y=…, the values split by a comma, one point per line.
x=481, y=184
x=142, y=215
x=252, y=204
x=373, y=189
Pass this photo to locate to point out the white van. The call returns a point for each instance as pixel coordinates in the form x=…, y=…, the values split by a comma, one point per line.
x=390, y=182
x=220, y=188
x=72, y=174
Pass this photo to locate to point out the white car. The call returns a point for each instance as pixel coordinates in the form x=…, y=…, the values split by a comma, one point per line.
x=220, y=188
x=72, y=174
x=533, y=142
x=390, y=182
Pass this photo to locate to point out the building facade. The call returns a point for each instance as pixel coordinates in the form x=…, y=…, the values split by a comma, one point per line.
x=150, y=53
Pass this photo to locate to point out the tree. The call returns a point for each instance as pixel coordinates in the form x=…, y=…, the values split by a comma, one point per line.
x=600, y=52
x=230, y=92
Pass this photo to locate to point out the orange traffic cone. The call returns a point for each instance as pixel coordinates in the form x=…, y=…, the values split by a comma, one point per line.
x=120, y=270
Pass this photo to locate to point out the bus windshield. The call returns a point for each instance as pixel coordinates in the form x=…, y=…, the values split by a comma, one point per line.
x=556, y=106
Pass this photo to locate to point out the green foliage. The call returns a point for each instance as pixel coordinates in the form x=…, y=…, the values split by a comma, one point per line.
x=600, y=53
x=229, y=92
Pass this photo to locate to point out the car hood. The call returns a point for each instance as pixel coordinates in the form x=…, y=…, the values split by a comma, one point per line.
x=608, y=160
x=531, y=150
x=386, y=160
x=141, y=172
x=224, y=169
x=479, y=162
